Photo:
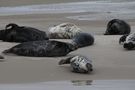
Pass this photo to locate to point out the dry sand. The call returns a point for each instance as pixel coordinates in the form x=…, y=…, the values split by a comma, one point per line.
x=110, y=60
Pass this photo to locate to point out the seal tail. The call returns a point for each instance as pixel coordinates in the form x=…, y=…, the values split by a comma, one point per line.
x=83, y=40
x=6, y=51
x=65, y=61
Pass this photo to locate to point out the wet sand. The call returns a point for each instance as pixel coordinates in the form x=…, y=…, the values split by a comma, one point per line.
x=110, y=60
x=6, y=3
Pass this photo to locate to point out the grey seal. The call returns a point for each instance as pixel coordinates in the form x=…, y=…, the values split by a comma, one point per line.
x=128, y=41
x=16, y=33
x=78, y=64
x=117, y=27
x=44, y=48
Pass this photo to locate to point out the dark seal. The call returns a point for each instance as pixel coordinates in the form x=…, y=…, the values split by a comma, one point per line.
x=45, y=48
x=83, y=39
x=79, y=64
x=117, y=27
x=16, y=33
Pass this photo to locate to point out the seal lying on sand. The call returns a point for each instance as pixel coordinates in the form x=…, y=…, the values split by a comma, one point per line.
x=79, y=64
x=50, y=48
x=45, y=48
x=83, y=39
x=64, y=31
x=128, y=41
x=117, y=27
x=15, y=33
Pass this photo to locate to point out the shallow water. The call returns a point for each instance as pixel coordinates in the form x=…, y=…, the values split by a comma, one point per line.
x=74, y=85
x=96, y=10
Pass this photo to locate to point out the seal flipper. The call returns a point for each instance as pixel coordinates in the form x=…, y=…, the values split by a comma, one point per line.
x=65, y=61
x=7, y=51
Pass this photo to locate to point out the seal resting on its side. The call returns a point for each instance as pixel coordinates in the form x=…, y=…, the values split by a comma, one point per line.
x=117, y=27
x=128, y=41
x=16, y=33
x=79, y=64
x=83, y=39
x=45, y=48
x=64, y=31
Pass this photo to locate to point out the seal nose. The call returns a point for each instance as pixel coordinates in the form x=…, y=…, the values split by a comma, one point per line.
x=89, y=67
x=128, y=46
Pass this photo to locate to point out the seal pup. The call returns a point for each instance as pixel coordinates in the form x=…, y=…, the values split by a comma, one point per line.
x=44, y=48
x=16, y=33
x=83, y=39
x=78, y=64
x=117, y=27
x=64, y=31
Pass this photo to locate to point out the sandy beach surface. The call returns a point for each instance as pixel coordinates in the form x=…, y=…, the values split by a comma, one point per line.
x=110, y=60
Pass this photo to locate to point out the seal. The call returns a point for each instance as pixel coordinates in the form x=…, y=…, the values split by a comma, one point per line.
x=78, y=64
x=83, y=39
x=63, y=31
x=44, y=48
x=129, y=42
x=16, y=33
x=123, y=39
x=117, y=27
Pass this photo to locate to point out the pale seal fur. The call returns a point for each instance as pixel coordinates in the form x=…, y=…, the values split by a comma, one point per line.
x=64, y=31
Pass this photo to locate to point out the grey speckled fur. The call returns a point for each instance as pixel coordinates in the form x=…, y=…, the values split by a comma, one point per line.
x=45, y=48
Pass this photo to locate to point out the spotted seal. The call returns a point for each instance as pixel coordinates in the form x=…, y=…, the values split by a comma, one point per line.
x=79, y=64
x=117, y=27
x=128, y=41
x=16, y=33
x=64, y=31
x=44, y=48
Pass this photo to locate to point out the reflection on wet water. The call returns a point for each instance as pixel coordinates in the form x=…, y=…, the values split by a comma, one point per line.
x=81, y=82
x=73, y=85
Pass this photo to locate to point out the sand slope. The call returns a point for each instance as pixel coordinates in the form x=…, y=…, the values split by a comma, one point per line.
x=110, y=61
